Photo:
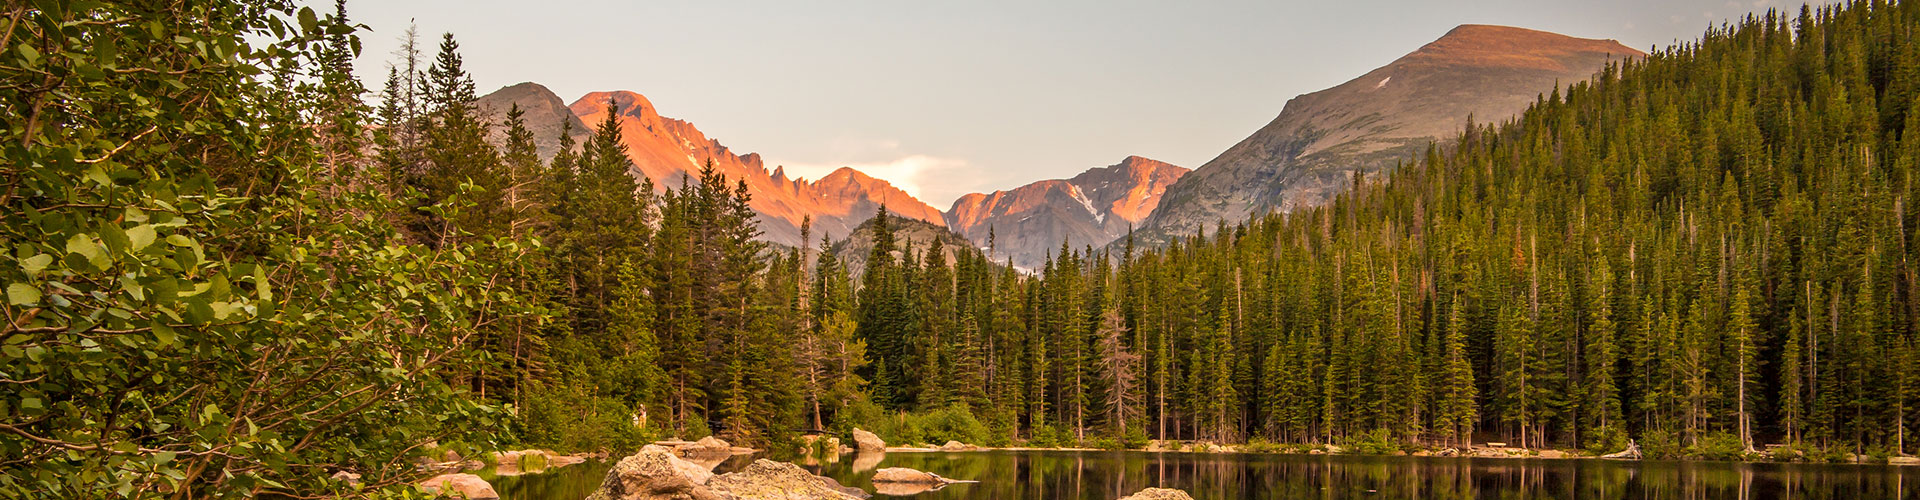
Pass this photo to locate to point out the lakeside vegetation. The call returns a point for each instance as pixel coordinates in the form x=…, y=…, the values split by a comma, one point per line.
x=228, y=274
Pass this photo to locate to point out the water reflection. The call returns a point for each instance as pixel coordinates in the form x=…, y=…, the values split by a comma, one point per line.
x=1061, y=475
x=1109, y=475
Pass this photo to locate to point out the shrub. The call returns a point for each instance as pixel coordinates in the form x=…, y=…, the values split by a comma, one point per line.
x=565, y=418
x=1375, y=442
x=1047, y=436
x=1135, y=438
x=1718, y=446
x=1609, y=439
x=954, y=423
x=1792, y=453
x=1262, y=445
x=1660, y=444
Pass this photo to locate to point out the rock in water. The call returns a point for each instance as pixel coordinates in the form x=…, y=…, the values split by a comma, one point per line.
x=713, y=443
x=655, y=472
x=466, y=486
x=1159, y=494
x=868, y=441
x=770, y=480
x=957, y=446
x=906, y=475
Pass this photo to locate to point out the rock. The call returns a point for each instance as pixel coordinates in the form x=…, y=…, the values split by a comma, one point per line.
x=1552, y=454
x=957, y=446
x=770, y=480
x=713, y=443
x=1903, y=460
x=466, y=486
x=450, y=456
x=906, y=475
x=655, y=472
x=346, y=477
x=868, y=442
x=1159, y=494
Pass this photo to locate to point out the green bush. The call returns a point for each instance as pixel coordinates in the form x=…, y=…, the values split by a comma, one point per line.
x=1261, y=445
x=1609, y=439
x=1718, y=446
x=1792, y=453
x=936, y=427
x=1105, y=443
x=1375, y=442
x=1047, y=436
x=1135, y=438
x=1660, y=445
x=567, y=419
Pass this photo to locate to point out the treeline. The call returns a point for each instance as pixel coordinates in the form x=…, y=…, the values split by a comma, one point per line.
x=1708, y=249
x=226, y=272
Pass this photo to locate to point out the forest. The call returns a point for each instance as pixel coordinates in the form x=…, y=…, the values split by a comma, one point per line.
x=233, y=267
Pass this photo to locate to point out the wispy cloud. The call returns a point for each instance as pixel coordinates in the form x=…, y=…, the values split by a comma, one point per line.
x=932, y=179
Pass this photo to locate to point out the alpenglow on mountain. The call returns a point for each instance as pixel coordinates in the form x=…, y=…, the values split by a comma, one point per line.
x=1310, y=152
x=667, y=150
x=1304, y=157
x=1090, y=209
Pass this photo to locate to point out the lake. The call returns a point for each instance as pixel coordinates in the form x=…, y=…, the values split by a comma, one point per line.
x=1106, y=475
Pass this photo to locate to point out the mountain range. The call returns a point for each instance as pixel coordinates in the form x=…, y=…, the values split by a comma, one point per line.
x=1311, y=151
x=1304, y=157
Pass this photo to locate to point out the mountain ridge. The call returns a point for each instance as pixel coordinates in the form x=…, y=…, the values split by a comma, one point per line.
x=1092, y=208
x=1310, y=151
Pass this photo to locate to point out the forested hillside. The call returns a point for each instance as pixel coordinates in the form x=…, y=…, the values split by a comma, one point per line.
x=227, y=273
x=1707, y=248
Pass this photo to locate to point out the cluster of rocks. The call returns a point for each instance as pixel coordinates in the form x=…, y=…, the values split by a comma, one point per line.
x=1158, y=494
x=463, y=485
x=657, y=472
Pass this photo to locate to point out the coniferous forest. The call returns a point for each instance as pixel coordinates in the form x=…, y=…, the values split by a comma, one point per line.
x=233, y=267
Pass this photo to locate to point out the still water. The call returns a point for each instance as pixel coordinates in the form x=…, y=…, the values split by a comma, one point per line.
x=1104, y=475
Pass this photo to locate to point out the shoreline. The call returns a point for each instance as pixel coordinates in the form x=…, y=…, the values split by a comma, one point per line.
x=1476, y=452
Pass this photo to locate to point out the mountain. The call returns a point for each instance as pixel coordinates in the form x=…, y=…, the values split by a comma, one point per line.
x=544, y=113
x=908, y=234
x=1092, y=208
x=665, y=150
x=1309, y=153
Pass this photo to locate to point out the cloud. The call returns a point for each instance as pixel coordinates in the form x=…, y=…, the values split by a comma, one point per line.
x=935, y=180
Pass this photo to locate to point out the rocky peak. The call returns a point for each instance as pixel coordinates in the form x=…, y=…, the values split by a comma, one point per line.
x=1309, y=153
x=1090, y=209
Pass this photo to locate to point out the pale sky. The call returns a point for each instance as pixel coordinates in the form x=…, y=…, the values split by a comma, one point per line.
x=949, y=98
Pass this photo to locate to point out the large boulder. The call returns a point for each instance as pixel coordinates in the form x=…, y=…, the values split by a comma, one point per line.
x=466, y=486
x=1159, y=494
x=901, y=481
x=770, y=480
x=656, y=473
x=906, y=475
x=957, y=446
x=711, y=443
x=868, y=442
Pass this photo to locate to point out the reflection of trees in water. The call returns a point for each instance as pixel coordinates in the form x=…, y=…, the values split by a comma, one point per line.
x=1108, y=475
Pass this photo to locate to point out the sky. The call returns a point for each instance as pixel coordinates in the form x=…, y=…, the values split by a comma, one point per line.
x=948, y=98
